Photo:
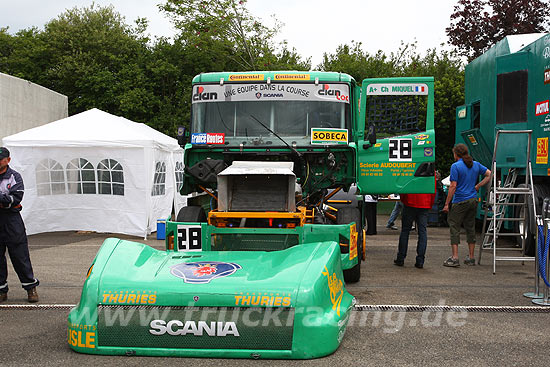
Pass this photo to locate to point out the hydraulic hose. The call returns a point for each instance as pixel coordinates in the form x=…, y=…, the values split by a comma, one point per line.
x=543, y=253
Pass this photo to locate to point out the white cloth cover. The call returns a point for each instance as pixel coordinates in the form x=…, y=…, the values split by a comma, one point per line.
x=103, y=145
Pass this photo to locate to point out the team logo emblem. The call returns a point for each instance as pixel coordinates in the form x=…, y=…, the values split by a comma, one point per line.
x=202, y=272
x=421, y=136
x=258, y=95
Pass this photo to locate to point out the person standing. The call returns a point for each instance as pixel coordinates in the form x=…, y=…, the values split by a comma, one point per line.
x=463, y=190
x=393, y=216
x=370, y=213
x=12, y=231
x=415, y=209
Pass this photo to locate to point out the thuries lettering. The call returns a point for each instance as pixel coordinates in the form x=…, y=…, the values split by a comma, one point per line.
x=200, y=328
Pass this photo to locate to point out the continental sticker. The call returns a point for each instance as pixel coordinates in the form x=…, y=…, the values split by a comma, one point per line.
x=329, y=136
x=245, y=77
x=542, y=151
x=270, y=299
x=292, y=77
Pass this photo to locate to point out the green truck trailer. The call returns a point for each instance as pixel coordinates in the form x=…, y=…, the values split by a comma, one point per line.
x=255, y=265
x=508, y=87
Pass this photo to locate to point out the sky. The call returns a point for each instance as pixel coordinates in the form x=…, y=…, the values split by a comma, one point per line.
x=310, y=26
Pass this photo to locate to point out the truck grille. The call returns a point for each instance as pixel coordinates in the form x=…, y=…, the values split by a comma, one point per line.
x=196, y=327
x=253, y=241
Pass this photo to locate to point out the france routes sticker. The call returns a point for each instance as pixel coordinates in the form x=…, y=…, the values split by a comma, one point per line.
x=202, y=272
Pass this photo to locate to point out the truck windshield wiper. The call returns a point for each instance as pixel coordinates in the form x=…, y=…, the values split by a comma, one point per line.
x=281, y=139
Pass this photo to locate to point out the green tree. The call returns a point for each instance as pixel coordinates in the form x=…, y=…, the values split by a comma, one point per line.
x=224, y=30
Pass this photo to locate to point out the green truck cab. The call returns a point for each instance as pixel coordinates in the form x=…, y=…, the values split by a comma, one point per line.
x=507, y=88
x=255, y=265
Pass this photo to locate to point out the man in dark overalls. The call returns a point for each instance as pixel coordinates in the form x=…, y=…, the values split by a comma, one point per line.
x=12, y=231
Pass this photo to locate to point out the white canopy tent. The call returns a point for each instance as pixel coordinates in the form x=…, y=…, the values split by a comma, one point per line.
x=95, y=172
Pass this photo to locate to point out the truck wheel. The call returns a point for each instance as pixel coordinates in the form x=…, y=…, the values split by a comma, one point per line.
x=540, y=192
x=191, y=214
x=344, y=216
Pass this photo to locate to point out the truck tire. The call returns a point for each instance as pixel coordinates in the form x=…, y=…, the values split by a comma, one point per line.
x=540, y=192
x=347, y=215
x=194, y=214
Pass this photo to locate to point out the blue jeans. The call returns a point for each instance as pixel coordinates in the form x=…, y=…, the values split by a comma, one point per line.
x=410, y=215
x=394, y=213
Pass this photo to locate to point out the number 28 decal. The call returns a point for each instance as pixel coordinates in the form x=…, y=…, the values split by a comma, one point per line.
x=400, y=150
x=189, y=238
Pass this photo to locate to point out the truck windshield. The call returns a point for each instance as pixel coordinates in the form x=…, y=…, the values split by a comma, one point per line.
x=290, y=110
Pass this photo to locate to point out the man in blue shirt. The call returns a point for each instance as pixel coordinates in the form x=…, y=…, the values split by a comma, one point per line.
x=465, y=173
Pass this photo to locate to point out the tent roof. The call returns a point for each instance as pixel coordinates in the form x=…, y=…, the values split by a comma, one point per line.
x=93, y=128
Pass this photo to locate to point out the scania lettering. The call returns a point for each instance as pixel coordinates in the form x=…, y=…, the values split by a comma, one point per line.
x=177, y=327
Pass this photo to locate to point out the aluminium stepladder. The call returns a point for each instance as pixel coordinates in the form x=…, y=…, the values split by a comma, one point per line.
x=502, y=200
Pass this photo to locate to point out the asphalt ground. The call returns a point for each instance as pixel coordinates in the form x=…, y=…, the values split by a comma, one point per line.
x=38, y=337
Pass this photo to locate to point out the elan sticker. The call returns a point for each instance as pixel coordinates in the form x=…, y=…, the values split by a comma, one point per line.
x=329, y=136
x=202, y=272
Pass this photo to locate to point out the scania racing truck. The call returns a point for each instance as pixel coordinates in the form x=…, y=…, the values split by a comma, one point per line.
x=255, y=265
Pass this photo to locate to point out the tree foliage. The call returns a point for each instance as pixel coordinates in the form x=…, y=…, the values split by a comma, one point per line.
x=227, y=28
x=477, y=24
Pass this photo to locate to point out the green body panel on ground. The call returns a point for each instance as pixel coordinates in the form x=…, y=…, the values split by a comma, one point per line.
x=304, y=280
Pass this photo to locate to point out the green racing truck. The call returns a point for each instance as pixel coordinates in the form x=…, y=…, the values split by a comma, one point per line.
x=255, y=265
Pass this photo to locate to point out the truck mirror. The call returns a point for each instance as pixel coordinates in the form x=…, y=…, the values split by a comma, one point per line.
x=371, y=135
x=183, y=135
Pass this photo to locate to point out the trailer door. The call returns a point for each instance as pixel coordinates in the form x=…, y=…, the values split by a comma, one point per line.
x=399, y=112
